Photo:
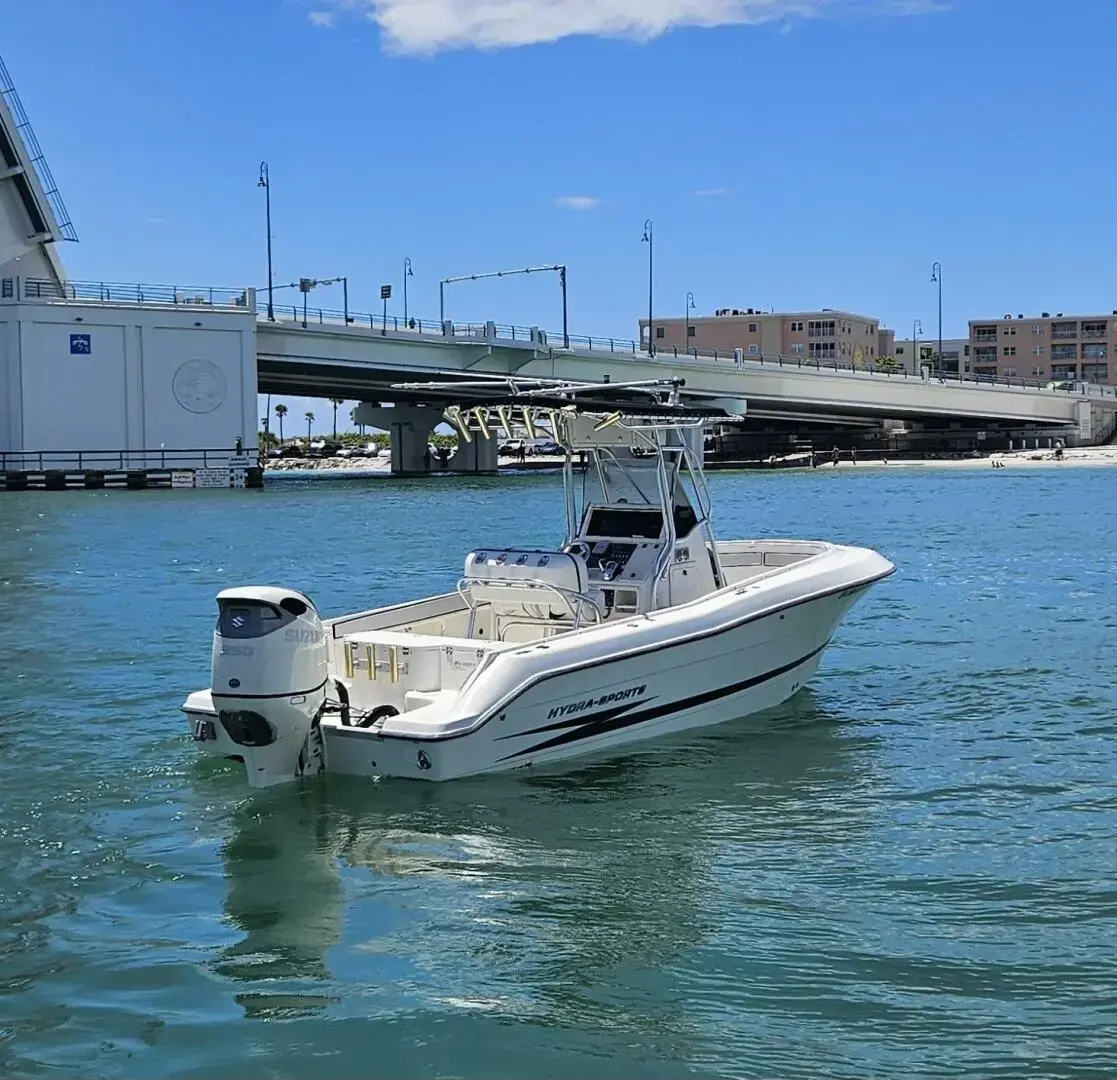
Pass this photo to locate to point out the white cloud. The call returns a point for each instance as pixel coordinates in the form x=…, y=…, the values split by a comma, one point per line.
x=321, y=18
x=577, y=202
x=429, y=26
x=710, y=192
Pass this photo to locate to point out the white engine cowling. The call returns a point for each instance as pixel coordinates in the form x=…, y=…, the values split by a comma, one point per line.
x=268, y=680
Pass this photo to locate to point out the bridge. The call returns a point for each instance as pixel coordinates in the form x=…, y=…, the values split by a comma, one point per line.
x=363, y=357
x=33, y=217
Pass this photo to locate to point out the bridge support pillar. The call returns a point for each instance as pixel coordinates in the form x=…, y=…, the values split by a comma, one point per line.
x=409, y=430
x=476, y=456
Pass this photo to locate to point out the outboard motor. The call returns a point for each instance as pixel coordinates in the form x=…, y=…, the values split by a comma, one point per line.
x=269, y=680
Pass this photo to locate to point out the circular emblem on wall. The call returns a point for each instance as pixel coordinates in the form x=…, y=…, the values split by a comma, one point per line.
x=200, y=386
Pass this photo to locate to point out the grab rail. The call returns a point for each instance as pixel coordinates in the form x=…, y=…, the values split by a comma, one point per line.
x=567, y=596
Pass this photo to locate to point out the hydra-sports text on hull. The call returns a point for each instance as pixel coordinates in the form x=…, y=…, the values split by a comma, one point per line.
x=639, y=625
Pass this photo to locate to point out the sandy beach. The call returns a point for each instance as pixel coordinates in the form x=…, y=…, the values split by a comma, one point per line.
x=1093, y=456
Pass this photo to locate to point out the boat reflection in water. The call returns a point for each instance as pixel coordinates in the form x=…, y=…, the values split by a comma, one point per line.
x=545, y=899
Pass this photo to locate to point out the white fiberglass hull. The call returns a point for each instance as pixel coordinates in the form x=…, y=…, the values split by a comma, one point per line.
x=742, y=649
x=602, y=705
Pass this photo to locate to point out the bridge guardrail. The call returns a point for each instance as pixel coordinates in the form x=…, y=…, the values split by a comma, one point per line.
x=46, y=290
x=115, y=292
x=121, y=460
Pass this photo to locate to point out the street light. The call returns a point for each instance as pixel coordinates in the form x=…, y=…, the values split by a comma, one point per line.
x=936, y=276
x=686, y=318
x=560, y=270
x=304, y=285
x=406, y=274
x=916, y=330
x=265, y=183
x=649, y=240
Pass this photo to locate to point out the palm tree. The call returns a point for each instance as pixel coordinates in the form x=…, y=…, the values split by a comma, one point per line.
x=335, y=402
x=281, y=412
x=309, y=421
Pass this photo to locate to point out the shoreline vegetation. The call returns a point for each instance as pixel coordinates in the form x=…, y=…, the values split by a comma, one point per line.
x=1084, y=456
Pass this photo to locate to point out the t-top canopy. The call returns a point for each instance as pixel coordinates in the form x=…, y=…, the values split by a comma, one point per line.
x=660, y=398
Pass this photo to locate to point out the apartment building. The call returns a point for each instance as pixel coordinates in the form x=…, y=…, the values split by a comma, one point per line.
x=1049, y=347
x=824, y=335
x=955, y=354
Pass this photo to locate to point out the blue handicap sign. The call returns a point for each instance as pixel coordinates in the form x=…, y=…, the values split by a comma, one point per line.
x=80, y=345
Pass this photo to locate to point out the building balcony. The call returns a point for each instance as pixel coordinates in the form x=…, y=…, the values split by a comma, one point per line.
x=1064, y=331
x=1095, y=330
x=985, y=336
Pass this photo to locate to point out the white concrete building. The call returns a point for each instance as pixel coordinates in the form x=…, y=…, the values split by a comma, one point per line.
x=131, y=385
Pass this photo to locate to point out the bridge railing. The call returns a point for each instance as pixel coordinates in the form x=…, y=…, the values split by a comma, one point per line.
x=45, y=290
x=122, y=460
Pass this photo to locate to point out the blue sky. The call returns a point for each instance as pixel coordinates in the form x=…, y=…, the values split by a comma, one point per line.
x=791, y=153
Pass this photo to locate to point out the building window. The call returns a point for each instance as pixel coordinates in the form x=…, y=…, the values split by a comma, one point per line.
x=821, y=327
x=1064, y=371
x=1039, y=350
x=1064, y=352
x=1095, y=351
x=660, y=332
x=691, y=331
x=1095, y=372
x=796, y=327
x=1009, y=372
x=1064, y=330
x=1038, y=372
x=985, y=333
x=1009, y=350
x=753, y=328
x=797, y=348
x=899, y=350
x=1037, y=329
x=1094, y=329
x=823, y=350
x=967, y=353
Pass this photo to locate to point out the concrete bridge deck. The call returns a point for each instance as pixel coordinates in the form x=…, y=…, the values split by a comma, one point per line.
x=360, y=357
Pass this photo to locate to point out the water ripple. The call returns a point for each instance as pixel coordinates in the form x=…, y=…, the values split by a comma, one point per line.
x=907, y=871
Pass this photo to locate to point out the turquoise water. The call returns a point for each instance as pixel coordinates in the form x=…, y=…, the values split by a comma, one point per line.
x=910, y=870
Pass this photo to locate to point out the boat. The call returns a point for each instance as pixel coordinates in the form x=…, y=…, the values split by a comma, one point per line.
x=639, y=625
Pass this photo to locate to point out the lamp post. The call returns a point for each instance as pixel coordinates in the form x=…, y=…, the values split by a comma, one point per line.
x=649, y=240
x=560, y=270
x=565, y=327
x=265, y=183
x=406, y=274
x=916, y=330
x=936, y=277
x=686, y=319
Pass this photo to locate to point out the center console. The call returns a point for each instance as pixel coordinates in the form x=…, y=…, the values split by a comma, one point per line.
x=621, y=546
